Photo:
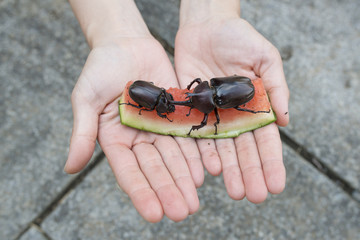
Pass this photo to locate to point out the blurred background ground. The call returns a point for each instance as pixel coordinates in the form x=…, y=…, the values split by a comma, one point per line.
x=42, y=51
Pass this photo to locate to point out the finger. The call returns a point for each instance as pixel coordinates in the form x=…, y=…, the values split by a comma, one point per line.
x=192, y=156
x=230, y=168
x=130, y=178
x=209, y=155
x=206, y=147
x=83, y=139
x=250, y=165
x=272, y=74
x=151, y=164
x=270, y=150
x=178, y=168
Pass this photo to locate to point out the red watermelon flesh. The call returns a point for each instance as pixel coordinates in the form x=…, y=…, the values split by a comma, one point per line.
x=232, y=122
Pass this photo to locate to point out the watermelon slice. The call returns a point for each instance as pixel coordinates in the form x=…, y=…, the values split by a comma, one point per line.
x=232, y=122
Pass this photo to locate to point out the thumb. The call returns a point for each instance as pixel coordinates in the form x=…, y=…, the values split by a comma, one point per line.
x=276, y=86
x=83, y=139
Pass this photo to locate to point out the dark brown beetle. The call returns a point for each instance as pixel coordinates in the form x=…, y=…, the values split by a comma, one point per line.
x=224, y=92
x=150, y=97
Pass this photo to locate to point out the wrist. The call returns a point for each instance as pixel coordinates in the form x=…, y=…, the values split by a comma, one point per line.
x=105, y=22
x=198, y=11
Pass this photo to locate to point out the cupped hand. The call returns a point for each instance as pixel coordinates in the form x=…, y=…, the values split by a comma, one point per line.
x=252, y=163
x=151, y=169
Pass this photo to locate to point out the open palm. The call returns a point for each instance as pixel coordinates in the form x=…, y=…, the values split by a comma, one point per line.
x=150, y=168
x=252, y=163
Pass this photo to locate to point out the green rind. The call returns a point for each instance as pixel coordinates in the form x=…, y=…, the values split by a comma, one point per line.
x=153, y=125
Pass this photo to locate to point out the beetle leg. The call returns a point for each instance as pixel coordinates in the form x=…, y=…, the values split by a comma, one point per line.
x=202, y=124
x=136, y=106
x=145, y=109
x=133, y=105
x=189, y=111
x=164, y=116
x=251, y=111
x=196, y=80
x=217, y=120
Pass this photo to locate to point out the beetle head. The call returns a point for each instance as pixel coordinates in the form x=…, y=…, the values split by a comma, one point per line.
x=164, y=105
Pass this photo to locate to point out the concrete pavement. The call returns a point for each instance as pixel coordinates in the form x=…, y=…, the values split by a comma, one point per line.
x=42, y=51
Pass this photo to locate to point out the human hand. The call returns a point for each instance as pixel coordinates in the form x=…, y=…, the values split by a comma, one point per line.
x=151, y=169
x=213, y=41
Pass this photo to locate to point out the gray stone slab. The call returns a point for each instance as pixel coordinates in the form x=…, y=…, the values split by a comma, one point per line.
x=311, y=207
x=42, y=51
x=319, y=42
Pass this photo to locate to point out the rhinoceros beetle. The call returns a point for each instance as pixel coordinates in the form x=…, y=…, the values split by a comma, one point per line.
x=150, y=97
x=223, y=92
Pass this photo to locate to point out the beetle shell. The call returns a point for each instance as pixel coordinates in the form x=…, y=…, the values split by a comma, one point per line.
x=232, y=91
x=145, y=94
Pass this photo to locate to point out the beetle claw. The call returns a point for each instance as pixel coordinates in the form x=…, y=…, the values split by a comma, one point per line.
x=170, y=120
x=164, y=116
x=188, y=95
x=188, y=114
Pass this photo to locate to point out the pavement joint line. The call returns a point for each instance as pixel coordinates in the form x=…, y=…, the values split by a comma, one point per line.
x=321, y=167
x=42, y=231
x=62, y=195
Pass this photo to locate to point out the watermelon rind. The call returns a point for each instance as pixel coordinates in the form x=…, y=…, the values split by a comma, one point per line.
x=227, y=130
